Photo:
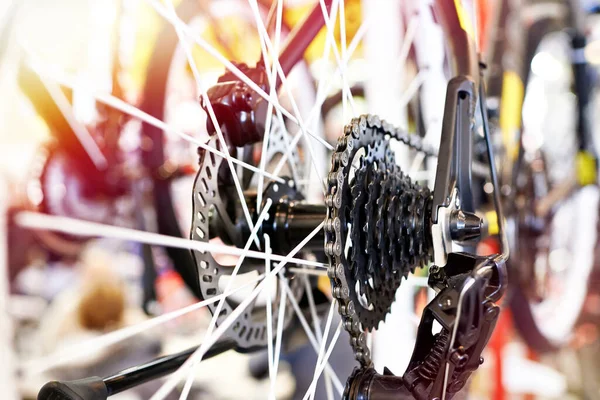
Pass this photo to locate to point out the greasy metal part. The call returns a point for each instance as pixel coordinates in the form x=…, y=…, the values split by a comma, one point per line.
x=292, y=222
x=366, y=383
x=289, y=222
x=465, y=226
x=377, y=227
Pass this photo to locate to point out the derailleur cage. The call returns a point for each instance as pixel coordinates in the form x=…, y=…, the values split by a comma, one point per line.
x=441, y=363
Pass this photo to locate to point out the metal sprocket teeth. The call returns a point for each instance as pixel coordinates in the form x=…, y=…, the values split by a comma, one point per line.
x=384, y=216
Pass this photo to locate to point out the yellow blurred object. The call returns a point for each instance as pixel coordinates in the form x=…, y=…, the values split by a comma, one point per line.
x=103, y=302
x=145, y=38
x=231, y=35
x=492, y=222
x=585, y=168
x=352, y=21
x=232, y=38
x=510, y=112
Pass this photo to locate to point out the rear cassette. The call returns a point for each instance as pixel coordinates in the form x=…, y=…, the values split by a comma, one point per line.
x=377, y=225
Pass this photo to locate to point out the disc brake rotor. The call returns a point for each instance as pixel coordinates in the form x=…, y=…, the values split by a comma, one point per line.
x=217, y=215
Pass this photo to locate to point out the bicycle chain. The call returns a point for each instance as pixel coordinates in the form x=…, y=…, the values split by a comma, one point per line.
x=385, y=215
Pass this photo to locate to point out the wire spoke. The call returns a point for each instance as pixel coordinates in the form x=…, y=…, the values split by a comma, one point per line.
x=176, y=377
x=321, y=336
x=321, y=366
x=311, y=337
x=195, y=358
x=34, y=220
x=304, y=271
x=269, y=307
x=274, y=53
x=409, y=38
x=412, y=89
x=278, y=338
x=322, y=89
x=266, y=137
x=342, y=64
x=343, y=47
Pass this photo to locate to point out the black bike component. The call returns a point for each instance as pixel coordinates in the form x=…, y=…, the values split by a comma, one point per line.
x=159, y=367
x=455, y=154
x=468, y=288
x=241, y=111
x=95, y=388
x=83, y=389
x=367, y=384
x=442, y=363
x=291, y=222
x=378, y=225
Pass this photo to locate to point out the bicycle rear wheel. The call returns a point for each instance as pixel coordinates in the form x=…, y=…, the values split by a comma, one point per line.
x=278, y=266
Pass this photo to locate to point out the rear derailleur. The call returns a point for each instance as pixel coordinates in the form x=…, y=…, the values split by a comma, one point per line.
x=468, y=287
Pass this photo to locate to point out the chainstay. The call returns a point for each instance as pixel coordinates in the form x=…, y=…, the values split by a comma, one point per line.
x=343, y=154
